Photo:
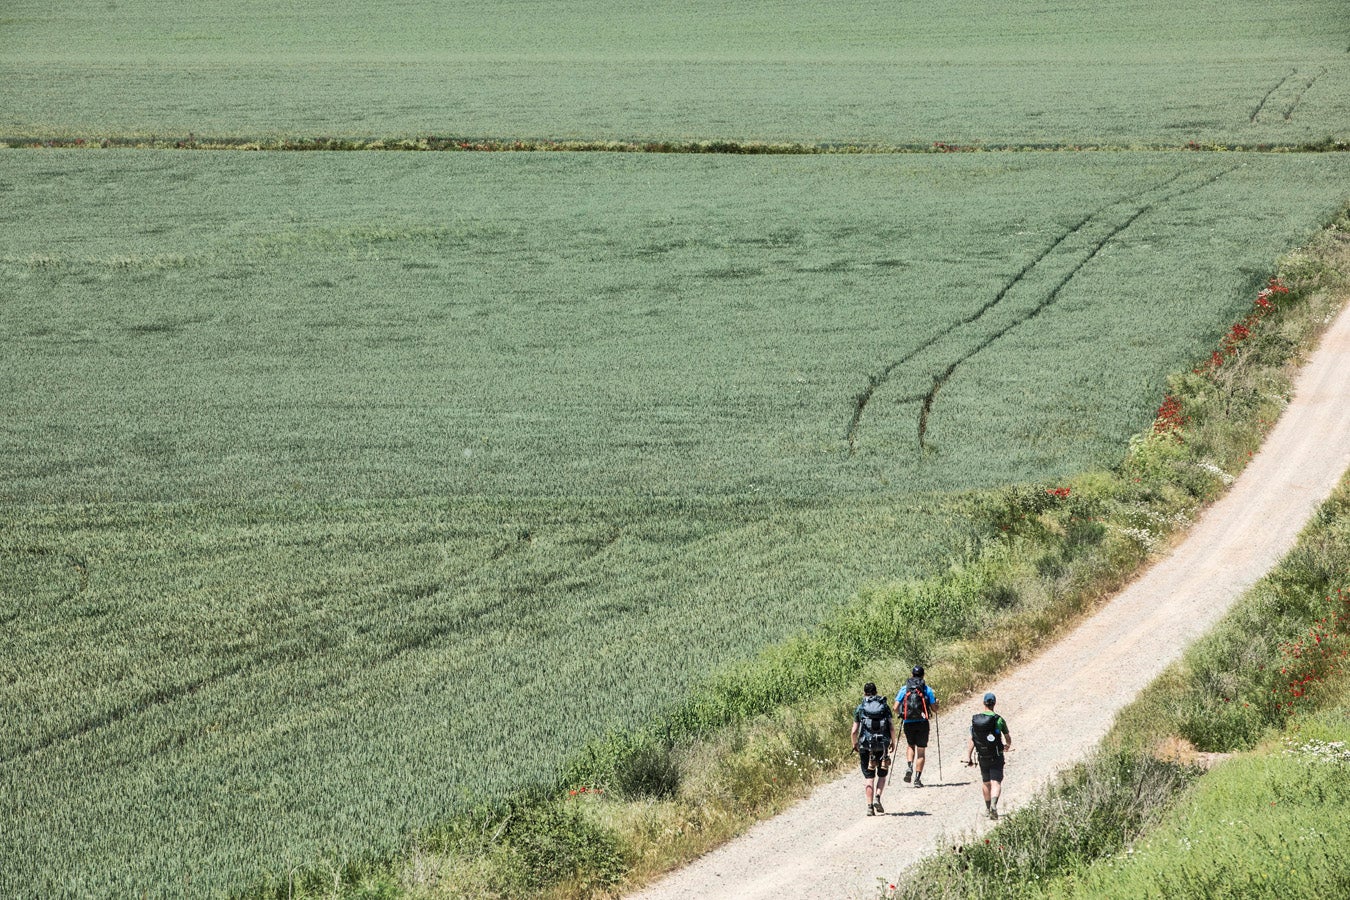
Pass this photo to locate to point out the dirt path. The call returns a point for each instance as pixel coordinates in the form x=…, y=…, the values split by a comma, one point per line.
x=1061, y=704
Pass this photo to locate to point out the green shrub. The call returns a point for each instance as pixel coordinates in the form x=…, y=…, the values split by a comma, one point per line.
x=555, y=842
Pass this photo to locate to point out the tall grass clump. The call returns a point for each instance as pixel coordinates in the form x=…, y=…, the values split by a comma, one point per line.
x=1091, y=811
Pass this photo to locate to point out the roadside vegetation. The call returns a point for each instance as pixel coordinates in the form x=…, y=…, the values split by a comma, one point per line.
x=1269, y=687
x=635, y=805
x=1268, y=823
x=1261, y=701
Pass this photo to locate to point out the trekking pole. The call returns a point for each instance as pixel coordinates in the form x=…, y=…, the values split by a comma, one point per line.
x=937, y=726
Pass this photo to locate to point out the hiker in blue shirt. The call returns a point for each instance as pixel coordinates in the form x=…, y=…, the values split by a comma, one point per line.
x=914, y=707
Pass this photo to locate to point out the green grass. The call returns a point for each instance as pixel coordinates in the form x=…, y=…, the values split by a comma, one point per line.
x=222, y=689
x=1266, y=824
x=343, y=495
x=1125, y=73
x=313, y=467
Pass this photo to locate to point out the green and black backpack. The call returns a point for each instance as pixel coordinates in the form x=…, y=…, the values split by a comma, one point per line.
x=986, y=729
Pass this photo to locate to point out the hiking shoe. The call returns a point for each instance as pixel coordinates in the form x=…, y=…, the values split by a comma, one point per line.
x=993, y=812
x=909, y=773
x=871, y=809
x=877, y=805
x=918, y=781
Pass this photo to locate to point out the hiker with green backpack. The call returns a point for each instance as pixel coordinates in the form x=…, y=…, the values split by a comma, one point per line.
x=914, y=707
x=873, y=736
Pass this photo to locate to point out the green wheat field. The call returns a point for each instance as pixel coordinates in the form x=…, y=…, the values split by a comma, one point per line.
x=341, y=492
x=1037, y=71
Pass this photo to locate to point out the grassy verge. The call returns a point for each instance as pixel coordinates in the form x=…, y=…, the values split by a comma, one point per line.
x=1269, y=823
x=757, y=737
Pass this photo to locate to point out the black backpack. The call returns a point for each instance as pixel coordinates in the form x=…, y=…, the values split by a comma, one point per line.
x=916, y=699
x=876, y=723
x=988, y=740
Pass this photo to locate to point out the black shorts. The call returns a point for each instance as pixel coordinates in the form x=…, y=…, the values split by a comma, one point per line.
x=991, y=769
x=873, y=763
x=916, y=733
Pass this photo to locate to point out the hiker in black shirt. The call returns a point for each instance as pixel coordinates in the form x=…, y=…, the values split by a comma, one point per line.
x=873, y=736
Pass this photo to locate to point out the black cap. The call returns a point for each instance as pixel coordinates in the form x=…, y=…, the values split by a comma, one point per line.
x=917, y=672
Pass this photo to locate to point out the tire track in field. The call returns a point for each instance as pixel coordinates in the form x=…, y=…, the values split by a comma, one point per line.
x=1279, y=84
x=404, y=642
x=419, y=636
x=430, y=632
x=876, y=381
x=148, y=701
x=78, y=563
x=940, y=380
x=1289, y=110
x=408, y=640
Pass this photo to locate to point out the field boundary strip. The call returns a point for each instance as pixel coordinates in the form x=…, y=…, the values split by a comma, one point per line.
x=731, y=147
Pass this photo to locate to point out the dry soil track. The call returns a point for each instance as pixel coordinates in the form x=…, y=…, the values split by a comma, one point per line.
x=1060, y=704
